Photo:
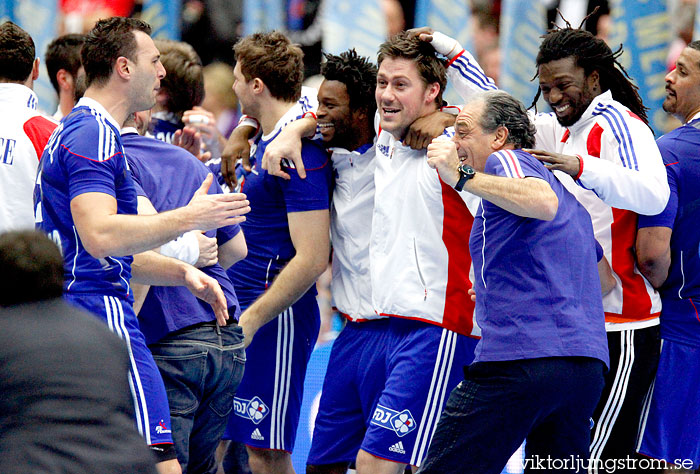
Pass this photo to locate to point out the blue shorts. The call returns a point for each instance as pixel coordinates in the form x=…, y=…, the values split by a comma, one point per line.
x=351, y=389
x=145, y=382
x=670, y=425
x=268, y=400
x=424, y=363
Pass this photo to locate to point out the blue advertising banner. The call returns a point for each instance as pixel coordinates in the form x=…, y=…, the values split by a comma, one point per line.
x=263, y=15
x=644, y=30
x=164, y=18
x=522, y=24
x=38, y=18
x=360, y=24
x=451, y=17
x=7, y=10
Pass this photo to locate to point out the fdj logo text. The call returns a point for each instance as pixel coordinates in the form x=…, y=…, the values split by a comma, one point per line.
x=401, y=423
x=254, y=410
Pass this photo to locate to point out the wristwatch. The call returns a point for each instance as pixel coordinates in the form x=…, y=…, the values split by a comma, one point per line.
x=466, y=173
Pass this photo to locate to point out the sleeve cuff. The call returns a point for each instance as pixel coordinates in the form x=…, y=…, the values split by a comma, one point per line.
x=580, y=168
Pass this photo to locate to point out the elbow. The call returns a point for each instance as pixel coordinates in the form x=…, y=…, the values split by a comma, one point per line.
x=96, y=246
x=549, y=208
x=649, y=268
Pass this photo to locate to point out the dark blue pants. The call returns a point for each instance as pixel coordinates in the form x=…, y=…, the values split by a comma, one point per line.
x=548, y=401
x=201, y=368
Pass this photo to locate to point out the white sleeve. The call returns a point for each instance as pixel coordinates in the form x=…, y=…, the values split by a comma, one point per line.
x=185, y=248
x=467, y=77
x=547, y=129
x=630, y=173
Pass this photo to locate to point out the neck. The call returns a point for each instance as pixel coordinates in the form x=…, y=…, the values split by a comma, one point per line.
x=66, y=103
x=691, y=114
x=270, y=113
x=363, y=136
x=114, y=102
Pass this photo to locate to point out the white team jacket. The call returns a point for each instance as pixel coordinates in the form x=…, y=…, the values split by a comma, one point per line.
x=23, y=135
x=351, y=225
x=419, y=249
x=623, y=173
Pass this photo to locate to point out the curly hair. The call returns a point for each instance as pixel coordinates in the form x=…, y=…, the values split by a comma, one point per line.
x=359, y=76
x=430, y=67
x=592, y=54
x=272, y=58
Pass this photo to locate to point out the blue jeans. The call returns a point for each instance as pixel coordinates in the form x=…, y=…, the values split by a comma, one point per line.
x=201, y=368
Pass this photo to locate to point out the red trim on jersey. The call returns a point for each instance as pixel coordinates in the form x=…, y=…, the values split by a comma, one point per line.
x=565, y=137
x=91, y=159
x=633, y=115
x=449, y=63
x=513, y=159
x=636, y=303
x=346, y=316
x=309, y=113
x=697, y=316
x=674, y=163
x=428, y=321
x=38, y=129
x=593, y=141
x=616, y=318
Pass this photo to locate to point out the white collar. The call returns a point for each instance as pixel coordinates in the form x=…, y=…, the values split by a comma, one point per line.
x=99, y=108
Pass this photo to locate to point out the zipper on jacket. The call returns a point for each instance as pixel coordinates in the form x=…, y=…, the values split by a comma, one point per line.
x=420, y=274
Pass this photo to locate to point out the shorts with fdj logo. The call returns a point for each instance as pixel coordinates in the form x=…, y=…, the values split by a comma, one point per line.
x=423, y=364
x=147, y=389
x=354, y=380
x=268, y=400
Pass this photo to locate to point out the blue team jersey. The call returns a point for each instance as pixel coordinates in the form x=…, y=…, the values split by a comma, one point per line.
x=163, y=128
x=266, y=228
x=537, y=284
x=680, y=293
x=84, y=155
x=169, y=176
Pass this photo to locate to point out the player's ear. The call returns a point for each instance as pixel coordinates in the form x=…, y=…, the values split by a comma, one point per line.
x=500, y=137
x=121, y=66
x=431, y=92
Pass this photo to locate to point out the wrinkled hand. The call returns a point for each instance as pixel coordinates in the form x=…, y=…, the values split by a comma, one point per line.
x=191, y=140
x=211, y=211
x=424, y=33
x=424, y=129
x=207, y=289
x=208, y=250
x=237, y=148
x=442, y=156
x=283, y=146
x=556, y=161
x=205, y=123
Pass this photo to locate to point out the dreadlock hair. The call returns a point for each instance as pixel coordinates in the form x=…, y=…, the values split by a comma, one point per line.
x=359, y=76
x=592, y=54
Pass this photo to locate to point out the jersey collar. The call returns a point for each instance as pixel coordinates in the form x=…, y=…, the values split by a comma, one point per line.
x=99, y=108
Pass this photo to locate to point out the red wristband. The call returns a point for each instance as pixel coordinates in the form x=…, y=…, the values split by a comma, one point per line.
x=580, y=168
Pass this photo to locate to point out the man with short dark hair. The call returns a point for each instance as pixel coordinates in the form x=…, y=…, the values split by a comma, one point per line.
x=85, y=200
x=538, y=369
x=288, y=248
x=66, y=71
x=23, y=131
x=65, y=404
x=667, y=252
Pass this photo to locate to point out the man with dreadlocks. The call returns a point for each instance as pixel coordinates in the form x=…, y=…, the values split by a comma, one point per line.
x=599, y=144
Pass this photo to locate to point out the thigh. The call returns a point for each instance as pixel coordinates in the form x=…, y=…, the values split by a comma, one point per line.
x=268, y=401
x=145, y=382
x=424, y=364
x=484, y=422
x=670, y=427
x=353, y=383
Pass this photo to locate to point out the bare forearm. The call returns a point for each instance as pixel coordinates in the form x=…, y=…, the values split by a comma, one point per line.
x=656, y=270
x=290, y=285
x=151, y=268
x=528, y=197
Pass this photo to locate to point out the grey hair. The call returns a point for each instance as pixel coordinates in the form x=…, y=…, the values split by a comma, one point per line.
x=503, y=110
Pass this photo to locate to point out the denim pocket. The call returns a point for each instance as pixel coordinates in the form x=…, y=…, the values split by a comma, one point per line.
x=183, y=370
x=232, y=373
